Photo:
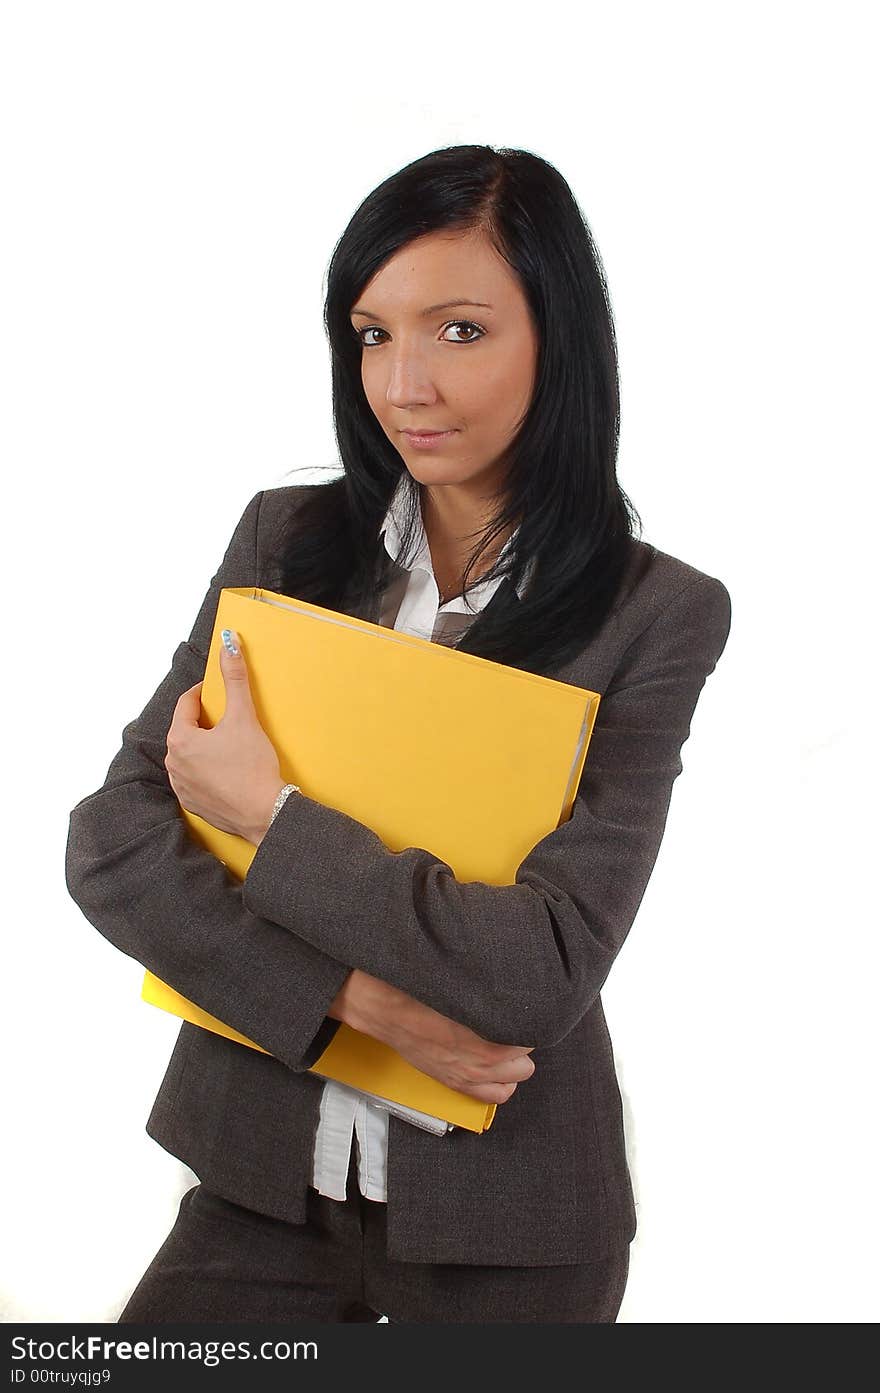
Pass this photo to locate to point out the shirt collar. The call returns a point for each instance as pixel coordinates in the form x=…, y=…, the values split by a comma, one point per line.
x=392, y=531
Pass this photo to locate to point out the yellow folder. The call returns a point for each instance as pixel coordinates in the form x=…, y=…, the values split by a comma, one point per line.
x=427, y=746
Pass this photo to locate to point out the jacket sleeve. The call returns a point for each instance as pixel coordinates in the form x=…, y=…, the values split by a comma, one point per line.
x=138, y=876
x=516, y=963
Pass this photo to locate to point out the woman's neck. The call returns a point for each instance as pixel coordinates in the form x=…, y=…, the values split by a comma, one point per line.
x=452, y=527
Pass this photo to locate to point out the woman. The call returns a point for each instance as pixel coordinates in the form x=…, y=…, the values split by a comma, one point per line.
x=465, y=298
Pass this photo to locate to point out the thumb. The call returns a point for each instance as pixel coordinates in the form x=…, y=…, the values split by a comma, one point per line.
x=234, y=670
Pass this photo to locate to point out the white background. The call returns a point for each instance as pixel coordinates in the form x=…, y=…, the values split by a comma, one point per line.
x=175, y=176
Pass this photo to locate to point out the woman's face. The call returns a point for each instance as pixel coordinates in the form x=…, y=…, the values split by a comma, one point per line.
x=469, y=368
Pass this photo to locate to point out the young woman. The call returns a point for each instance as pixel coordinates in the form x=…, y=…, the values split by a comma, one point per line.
x=475, y=398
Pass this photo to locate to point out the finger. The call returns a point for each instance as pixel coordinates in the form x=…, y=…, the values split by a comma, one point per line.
x=507, y=1070
x=489, y=1092
x=235, y=675
x=516, y=1069
x=187, y=708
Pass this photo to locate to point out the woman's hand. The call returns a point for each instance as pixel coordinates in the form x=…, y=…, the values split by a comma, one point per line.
x=228, y=775
x=440, y=1047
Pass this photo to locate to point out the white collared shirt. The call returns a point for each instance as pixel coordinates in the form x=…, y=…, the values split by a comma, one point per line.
x=411, y=605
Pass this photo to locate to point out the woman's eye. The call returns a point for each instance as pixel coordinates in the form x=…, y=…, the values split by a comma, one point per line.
x=371, y=329
x=466, y=324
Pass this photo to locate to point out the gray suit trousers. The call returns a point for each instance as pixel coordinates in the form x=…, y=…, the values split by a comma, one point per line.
x=222, y=1262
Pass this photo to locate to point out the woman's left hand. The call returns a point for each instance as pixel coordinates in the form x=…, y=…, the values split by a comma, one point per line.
x=229, y=775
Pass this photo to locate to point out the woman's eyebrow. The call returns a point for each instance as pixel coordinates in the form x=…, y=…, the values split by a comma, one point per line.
x=431, y=309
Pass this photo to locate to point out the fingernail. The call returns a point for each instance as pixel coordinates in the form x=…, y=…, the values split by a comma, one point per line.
x=230, y=639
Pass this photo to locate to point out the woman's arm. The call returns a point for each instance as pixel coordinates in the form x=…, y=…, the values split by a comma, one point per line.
x=432, y=1042
x=139, y=877
x=525, y=961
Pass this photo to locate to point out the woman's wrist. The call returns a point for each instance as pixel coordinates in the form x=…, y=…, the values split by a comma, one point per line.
x=367, y=1004
x=257, y=832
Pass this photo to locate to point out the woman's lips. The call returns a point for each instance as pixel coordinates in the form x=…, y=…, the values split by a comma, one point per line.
x=425, y=439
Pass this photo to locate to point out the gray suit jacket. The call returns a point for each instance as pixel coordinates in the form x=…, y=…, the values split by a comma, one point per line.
x=523, y=963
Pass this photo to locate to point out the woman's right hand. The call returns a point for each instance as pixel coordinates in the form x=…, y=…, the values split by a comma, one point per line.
x=440, y=1047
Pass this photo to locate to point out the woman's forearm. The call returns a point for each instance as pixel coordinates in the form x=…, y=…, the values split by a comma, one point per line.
x=432, y=1042
x=369, y=1005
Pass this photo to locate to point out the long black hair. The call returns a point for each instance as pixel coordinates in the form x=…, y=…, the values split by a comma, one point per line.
x=575, y=521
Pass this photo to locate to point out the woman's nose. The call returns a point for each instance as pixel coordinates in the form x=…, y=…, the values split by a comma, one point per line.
x=409, y=380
